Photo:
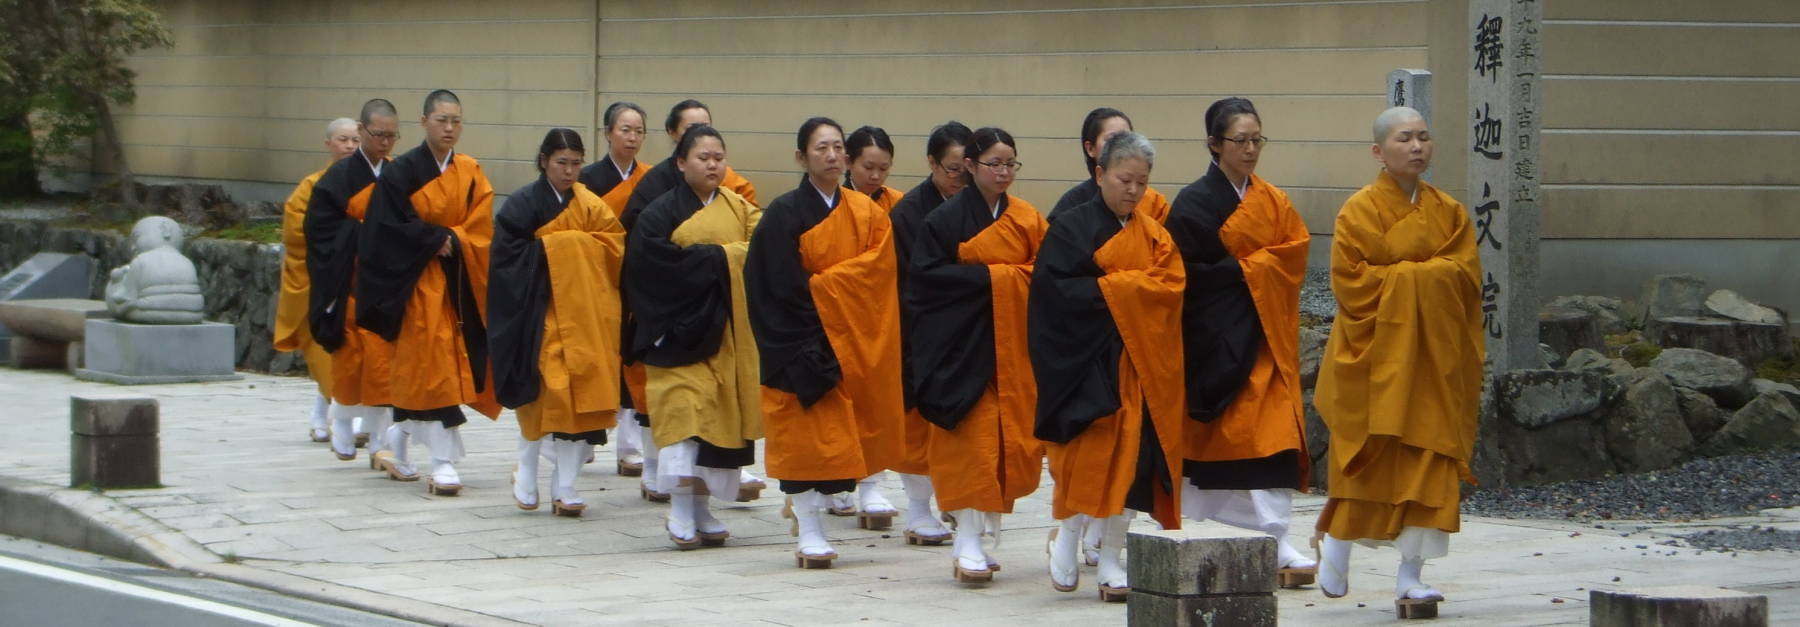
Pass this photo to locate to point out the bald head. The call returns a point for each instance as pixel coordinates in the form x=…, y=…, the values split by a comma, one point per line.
x=340, y=125
x=341, y=138
x=378, y=108
x=1393, y=117
x=441, y=96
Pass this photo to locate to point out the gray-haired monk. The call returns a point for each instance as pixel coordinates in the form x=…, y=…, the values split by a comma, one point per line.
x=291, y=333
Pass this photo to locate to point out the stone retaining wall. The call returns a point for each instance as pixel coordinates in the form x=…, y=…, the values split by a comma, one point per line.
x=238, y=278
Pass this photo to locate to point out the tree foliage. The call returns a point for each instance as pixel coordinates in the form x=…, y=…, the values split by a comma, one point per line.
x=63, y=67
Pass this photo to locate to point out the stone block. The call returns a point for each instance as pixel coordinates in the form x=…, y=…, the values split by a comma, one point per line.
x=61, y=319
x=1722, y=378
x=1202, y=560
x=1673, y=295
x=1673, y=606
x=1785, y=389
x=129, y=353
x=1565, y=329
x=1701, y=413
x=1535, y=398
x=1607, y=311
x=1645, y=431
x=113, y=442
x=1147, y=609
x=48, y=275
x=36, y=352
x=1584, y=359
x=1768, y=422
x=1734, y=306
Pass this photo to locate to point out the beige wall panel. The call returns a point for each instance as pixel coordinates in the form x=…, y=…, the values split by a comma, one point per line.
x=1664, y=213
x=909, y=119
x=245, y=133
x=214, y=40
x=1265, y=72
x=156, y=100
x=235, y=71
x=508, y=38
x=1671, y=159
x=1712, y=10
x=1449, y=65
x=198, y=162
x=526, y=108
x=711, y=9
x=426, y=73
x=1237, y=27
x=179, y=12
x=1670, y=50
x=415, y=11
x=1658, y=104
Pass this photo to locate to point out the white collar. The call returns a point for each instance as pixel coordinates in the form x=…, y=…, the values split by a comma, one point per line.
x=559, y=197
x=1415, y=198
x=709, y=199
x=996, y=211
x=373, y=165
x=829, y=198
x=1241, y=190
x=445, y=165
x=625, y=172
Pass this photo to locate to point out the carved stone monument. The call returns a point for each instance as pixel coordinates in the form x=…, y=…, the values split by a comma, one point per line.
x=158, y=335
x=1504, y=174
x=44, y=275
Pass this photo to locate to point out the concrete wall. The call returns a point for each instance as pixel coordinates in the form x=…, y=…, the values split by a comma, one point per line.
x=1668, y=124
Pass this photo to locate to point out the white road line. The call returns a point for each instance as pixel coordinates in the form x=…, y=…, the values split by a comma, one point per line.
x=147, y=593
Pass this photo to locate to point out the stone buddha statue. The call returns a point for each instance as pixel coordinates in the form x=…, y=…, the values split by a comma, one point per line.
x=159, y=286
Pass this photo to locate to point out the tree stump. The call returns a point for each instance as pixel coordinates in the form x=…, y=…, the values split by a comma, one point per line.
x=1566, y=329
x=1677, y=605
x=1747, y=342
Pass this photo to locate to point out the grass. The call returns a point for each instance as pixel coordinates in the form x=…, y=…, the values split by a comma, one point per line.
x=261, y=233
x=1782, y=369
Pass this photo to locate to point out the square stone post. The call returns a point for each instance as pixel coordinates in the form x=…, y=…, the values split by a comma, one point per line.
x=1504, y=174
x=113, y=442
x=1205, y=575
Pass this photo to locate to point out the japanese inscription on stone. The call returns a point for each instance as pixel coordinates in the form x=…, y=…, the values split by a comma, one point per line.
x=1503, y=173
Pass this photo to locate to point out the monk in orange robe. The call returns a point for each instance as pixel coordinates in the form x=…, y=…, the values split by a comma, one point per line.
x=824, y=304
x=291, y=333
x=971, y=370
x=944, y=161
x=553, y=313
x=614, y=177
x=1104, y=331
x=658, y=181
x=1100, y=125
x=422, y=284
x=1245, y=248
x=333, y=225
x=1400, y=382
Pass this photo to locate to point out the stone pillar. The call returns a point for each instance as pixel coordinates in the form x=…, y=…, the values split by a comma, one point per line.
x=1677, y=605
x=1411, y=88
x=113, y=442
x=1206, y=575
x=1504, y=173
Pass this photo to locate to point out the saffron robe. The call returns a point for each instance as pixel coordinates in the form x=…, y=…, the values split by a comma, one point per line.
x=361, y=361
x=432, y=308
x=664, y=177
x=684, y=283
x=553, y=309
x=887, y=197
x=1153, y=205
x=1246, y=259
x=291, y=332
x=908, y=218
x=1104, y=330
x=971, y=371
x=825, y=306
x=1400, y=382
x=602, y=177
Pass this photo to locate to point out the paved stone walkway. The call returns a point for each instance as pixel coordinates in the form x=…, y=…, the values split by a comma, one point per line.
x=243, y=481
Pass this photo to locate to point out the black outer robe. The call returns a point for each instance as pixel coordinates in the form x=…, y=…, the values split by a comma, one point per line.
x=661, y=178
x=908, y=218
x=1078, y=195
x=519, y=291
x=1218, y=317
x=1075, y=343
x=678, y=295
x=331, y=240
x=952, y=305
x=795, y=355
x=601, y=177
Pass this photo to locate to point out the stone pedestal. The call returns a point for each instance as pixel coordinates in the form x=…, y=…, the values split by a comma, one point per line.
x=1677, y=605
x=113, y=442
x=1209, y=575
x=132, y=354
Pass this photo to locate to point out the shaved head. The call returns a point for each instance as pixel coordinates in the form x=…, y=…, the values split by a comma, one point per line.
x=440, y=96
x=1385, y=123
x=340, y=125
x=378, y=108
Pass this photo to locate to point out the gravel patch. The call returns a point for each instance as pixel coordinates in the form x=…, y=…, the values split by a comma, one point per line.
x=1750, y=538
x=1732, y=485
x=1315, y=294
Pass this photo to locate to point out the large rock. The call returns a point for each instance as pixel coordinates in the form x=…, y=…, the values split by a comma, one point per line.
x=1569, y=449
x=1312, y=351
x=1536, y=398
x=1701, y=413
x=1768, y=422
x=1584, y=359
x=1607, y=311
x=1732, y=305
x=1785, y=389
x=1318, y=439
x=1748, y=342
x=1645, y=431
x=1722, y=378
x=1673, y=295
x=1565, y=329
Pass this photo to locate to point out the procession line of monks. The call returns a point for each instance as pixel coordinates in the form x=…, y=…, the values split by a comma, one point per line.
x=1146, y=348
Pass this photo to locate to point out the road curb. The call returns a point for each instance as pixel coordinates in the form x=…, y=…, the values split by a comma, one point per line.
x=92, y=522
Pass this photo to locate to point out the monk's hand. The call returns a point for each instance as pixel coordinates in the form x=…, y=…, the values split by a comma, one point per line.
x=444, y=251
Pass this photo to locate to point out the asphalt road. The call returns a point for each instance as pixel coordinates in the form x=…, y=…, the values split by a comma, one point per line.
x=49, y=586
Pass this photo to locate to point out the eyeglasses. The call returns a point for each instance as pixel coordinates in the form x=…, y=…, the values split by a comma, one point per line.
x=949, y=169
x=1007, y=165
x=383, y=134
x=1254, y=141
